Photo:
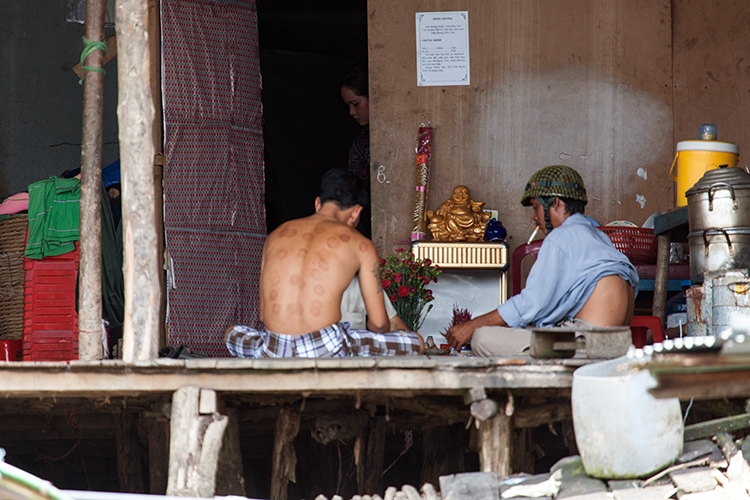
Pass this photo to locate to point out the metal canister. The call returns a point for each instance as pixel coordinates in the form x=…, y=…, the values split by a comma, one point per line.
x=698, y=304
x=730, y=297
x=718, y=249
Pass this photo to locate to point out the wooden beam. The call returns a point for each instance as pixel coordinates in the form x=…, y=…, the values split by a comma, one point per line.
x=333, y=377
x=195, y=441
x=111, y=54
x=135, y=112
x=284, y=457
x=711, y=428
x=533, y=416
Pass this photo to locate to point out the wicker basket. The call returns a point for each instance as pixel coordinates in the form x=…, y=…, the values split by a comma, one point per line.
x=637, y=243
x=12, y=246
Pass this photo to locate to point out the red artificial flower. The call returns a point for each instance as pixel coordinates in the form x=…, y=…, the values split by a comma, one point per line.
x=392, y=297
x=425, y=280
x=382, y=262
x=427, y=262
x=386, y=283
x=403, y=291
x=397, y=277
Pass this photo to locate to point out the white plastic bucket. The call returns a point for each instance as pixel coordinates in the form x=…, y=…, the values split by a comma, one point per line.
x=621, y=430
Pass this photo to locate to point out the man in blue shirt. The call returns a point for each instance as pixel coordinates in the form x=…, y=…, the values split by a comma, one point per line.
x=579, y=279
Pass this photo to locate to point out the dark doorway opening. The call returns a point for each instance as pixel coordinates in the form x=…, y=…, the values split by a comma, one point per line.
x=305, y=47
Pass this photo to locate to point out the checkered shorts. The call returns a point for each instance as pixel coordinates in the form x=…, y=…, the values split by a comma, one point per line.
x=334, y=341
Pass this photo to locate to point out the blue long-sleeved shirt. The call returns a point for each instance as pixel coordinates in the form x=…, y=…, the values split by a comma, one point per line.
x=570, y=263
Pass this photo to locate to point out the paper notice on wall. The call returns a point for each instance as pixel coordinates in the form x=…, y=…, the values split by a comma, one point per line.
x=442, y=48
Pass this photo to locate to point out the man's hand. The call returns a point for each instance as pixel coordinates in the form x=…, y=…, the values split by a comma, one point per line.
x=460, y=335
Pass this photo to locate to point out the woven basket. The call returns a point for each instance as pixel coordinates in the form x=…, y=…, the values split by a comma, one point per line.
x=637, y=243
x=12, y=246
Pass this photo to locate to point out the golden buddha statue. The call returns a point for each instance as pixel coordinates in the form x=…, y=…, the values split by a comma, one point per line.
x=459, y=218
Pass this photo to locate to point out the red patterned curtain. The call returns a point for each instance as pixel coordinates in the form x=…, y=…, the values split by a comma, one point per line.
x=214, y=213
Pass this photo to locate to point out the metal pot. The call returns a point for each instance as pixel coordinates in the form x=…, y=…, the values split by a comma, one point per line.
x=720, y=199
x=718, y=249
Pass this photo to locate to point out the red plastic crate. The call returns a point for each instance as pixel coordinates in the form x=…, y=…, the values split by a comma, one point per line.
x=50, y=319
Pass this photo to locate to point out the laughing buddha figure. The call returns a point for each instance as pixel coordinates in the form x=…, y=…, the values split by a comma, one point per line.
x=459, y=218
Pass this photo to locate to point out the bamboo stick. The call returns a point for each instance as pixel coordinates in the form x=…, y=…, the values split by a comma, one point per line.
x=90, y=266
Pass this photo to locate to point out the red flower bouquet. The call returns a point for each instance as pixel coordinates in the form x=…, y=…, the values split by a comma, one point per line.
x=404, y=280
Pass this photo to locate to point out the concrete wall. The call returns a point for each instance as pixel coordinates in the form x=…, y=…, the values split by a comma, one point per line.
x=40, y=99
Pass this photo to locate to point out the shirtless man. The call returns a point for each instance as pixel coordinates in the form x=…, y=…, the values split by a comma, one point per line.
x=579, y=279
x=306, y=266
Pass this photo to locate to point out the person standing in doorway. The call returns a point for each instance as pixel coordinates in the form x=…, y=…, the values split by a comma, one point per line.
x=355, y=93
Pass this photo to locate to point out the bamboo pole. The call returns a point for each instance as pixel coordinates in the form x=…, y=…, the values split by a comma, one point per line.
x=90, y=265
x=135, y=113
x=154, y=40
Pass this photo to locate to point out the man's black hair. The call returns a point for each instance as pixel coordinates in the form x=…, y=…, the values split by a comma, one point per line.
x=343, y=188
x=573, y=206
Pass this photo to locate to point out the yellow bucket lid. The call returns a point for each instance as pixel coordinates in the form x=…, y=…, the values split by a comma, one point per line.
x=717, y=146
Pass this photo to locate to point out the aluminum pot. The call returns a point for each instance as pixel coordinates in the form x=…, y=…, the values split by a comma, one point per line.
x=718, y=249
x=720, y=199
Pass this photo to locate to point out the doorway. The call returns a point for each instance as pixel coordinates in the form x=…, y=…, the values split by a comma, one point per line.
x=305, y=47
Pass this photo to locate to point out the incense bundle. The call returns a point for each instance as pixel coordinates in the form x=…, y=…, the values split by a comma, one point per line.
x=424, y=151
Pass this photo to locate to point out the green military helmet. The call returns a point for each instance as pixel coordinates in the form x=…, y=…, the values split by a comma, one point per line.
x=556, y=180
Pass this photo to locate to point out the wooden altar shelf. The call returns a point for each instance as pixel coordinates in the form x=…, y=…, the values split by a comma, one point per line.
x=457, y=255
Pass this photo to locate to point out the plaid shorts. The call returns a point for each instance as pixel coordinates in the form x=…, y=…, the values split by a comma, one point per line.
x=333, y=341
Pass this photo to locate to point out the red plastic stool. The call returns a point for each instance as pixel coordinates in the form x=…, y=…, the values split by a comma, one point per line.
x=639, y=327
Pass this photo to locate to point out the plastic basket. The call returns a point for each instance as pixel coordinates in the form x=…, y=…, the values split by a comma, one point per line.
x=637, y=243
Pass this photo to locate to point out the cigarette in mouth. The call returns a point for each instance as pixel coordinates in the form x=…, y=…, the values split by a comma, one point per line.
x=533, y=235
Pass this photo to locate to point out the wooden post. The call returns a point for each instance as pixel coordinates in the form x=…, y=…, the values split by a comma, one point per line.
x=436, y=454
x=372, y=476
x=135, y=114
x=230, y=478
x=494, y=445
x=90, y=264
x=196, y=435
x=661, y=281
x=284, y=459
x=129, y=454
x=158, y=455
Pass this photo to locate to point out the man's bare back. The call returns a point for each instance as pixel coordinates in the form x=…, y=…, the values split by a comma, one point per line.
x=610, y=304
x=307, y=264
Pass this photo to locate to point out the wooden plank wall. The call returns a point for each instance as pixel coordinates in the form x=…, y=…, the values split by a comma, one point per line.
x=587, y=83
x=712, y=70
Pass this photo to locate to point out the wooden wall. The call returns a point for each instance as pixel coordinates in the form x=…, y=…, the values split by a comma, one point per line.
x=600, y=85
x=712, y=70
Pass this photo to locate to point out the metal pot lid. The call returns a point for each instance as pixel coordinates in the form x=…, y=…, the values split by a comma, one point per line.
x=732, y=176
